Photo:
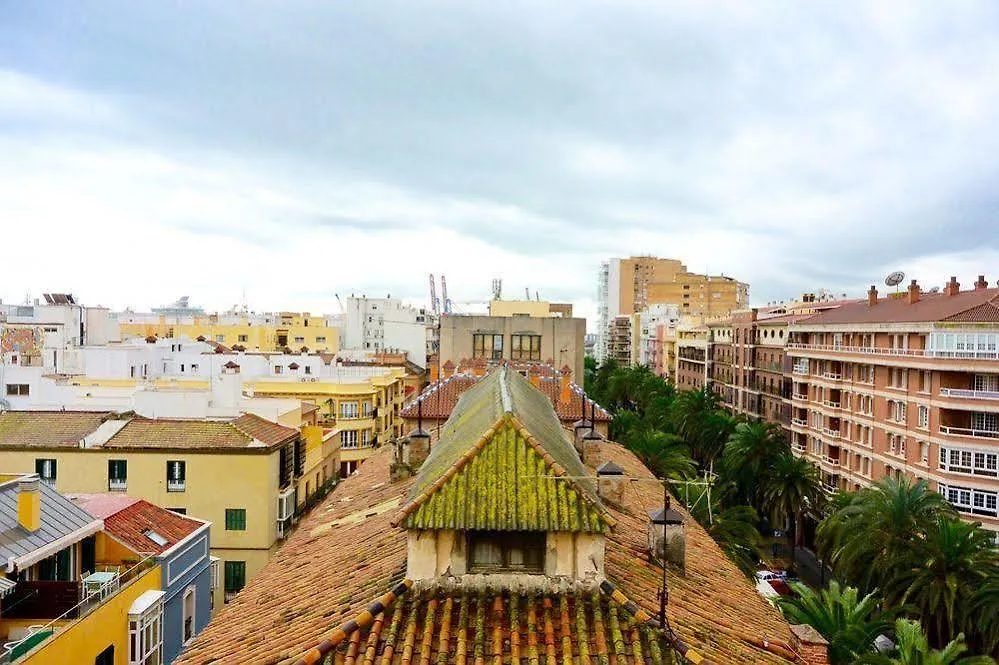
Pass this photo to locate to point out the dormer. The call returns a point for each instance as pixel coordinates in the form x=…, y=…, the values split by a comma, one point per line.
x=503, y=498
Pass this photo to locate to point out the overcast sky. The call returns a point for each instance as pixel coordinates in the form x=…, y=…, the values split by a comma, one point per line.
x=300, y=149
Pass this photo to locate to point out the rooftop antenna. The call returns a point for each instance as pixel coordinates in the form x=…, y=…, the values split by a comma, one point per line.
x=894, y=279
x=527, y=293
x=497, y=288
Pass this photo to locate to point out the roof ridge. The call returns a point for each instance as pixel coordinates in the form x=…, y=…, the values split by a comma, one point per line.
x=505, y=392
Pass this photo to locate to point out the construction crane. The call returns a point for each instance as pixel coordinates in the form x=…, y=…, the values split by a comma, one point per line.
x=447, y=301
x=435, y=304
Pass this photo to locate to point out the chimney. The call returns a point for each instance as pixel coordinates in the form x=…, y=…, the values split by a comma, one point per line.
x=534, y=375
x=566, y=394
x=410, y=453
x=29, y=503
x=611, y=482
x=435, y=370
x=952, y=287
x=810, y=645
x=981, y=283
x=872, y=296
x=667, y=539
x=448, y=369
x=913, y=292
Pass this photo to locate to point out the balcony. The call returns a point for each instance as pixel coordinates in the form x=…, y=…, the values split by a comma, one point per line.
x=834, y=461
x=117, y=484
x=968, y=431
x=831, y=433
x=800, y=396
x=43, y=600
x=800, y=422
x=835, y=376
x=966, y=354
x=176, y=485
x=969, y=394
x=832, y=404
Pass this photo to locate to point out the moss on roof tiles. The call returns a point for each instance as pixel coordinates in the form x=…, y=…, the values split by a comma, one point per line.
x=509, y=445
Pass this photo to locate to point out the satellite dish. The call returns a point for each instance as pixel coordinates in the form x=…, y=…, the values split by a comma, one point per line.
x=895, y=278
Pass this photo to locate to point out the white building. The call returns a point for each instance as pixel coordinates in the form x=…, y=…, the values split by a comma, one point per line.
x=649, y=320
x=374, y=325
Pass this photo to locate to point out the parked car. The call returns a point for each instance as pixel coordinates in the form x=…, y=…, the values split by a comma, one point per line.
x=772, y=584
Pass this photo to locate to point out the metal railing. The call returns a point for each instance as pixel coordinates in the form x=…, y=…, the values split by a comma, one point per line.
x=970, y=431
x=969, y=394
x=963, y=354
x=831, y=404
x=832, y=433
x=801, y=422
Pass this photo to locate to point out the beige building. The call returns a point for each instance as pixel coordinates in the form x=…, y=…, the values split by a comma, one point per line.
x=537, y=308
x=555, y=340
x=627, y=286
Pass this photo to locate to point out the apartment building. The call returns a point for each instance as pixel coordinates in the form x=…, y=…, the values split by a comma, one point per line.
x=522, y=337
x=906, y=384
x=377, y=325
x=648, y=329
x=619, y=341
x=241, y=474
x=627, y=286
x=238, y=329
x=693, y=357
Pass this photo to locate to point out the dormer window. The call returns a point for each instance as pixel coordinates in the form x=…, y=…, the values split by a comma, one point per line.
x=505, y=551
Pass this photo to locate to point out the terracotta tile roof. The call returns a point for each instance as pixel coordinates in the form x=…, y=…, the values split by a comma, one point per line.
x=346, y=554
x=130, y=523
x=974, y=306
x=244, y=432
x=48, y=428
x=440, y=397
x=264, y=430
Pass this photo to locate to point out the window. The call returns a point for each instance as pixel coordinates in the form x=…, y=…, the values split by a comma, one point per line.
x=970, y=462
x=923, y=417
x=105, y=657
x=924, y=452
x=179, y=511
x=365, y=438
x=46, y=469
x=488, y=346
x=155, y=537
x=987, y=422
x=243, y=338
x=194, y=367
x=348, y=439
x=525, y=347
x=18, y=389
x=176, y=472
x=117, y=474
x=520, y=551
x=188, y=625
x=278, y=369
x=348, y=409
x=972, y=500
x=220, y=339
x=299, y=340
x=896, y=411
x=366, y=409
x=235, y=578
x=986, y=382
x=308, y=369
x=145, y=635
x=235, y=519
x=320, y=340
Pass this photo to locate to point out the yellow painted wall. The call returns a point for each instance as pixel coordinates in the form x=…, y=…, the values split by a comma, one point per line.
x=111, y=551
x=321, y=461
x=255, y=562
x=81, y=641
x=317, y=336
x=214, y=482
x=533, y=308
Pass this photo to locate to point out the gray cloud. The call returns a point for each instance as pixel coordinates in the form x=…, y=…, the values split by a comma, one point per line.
x=792, y=146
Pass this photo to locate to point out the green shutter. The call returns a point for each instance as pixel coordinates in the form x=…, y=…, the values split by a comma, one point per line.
x=235, y=519
x=235, y=576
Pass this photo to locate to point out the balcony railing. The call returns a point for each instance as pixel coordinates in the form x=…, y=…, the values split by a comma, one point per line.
x=43, y=600
x=835, y=376
x=117, y=484
x=830, y=403
x=969, y=394
x=969, y=354
x=800, y=422
x=831, y=433
x=799, y=396
x=176, y=485
x=832, y=460
x=968, y=431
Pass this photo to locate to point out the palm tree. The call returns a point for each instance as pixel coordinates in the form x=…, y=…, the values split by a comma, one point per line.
x=689, y=411
x=849, y=623
x=944, y=572
x=791, y=486
x=912, y=648
x=751, y=448
x=734, y=529
x=665, y=454
x=871, y=536
x=985, y=606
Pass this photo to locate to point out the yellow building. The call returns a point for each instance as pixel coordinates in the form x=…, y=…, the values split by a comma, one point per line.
x=276, y=332
x=533, y=308
x=56, y=606
x=247, y=475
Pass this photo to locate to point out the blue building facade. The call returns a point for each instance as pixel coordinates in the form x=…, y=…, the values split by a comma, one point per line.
x=187, y=582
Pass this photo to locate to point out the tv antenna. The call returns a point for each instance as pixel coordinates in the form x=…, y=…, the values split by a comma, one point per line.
x=497, y=288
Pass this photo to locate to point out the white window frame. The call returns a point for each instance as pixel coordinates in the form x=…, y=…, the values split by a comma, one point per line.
x=189, y=592
x=970, y=462
x=145, y=632
x=923, y=417
x=348, y=439
x=348, y=410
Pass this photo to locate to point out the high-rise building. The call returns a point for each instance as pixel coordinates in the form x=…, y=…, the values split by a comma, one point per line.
x=378, y=325
x=628, y=286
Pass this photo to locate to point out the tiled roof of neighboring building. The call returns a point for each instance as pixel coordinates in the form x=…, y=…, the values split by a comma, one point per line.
x=246, y=432
x=132, y=523
x=59, y=517
x=440, y=397
x=48, y=428
x=974, y=306
x=346, y=554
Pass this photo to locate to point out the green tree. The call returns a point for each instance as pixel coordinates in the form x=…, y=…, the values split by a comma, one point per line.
x=942, y=575
x=849, y=623
x=734, y=529
x=790, y=487
x=871, y=537
x=983, y=618
x=913, y=648
x=664, y=454
x=751, y=449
